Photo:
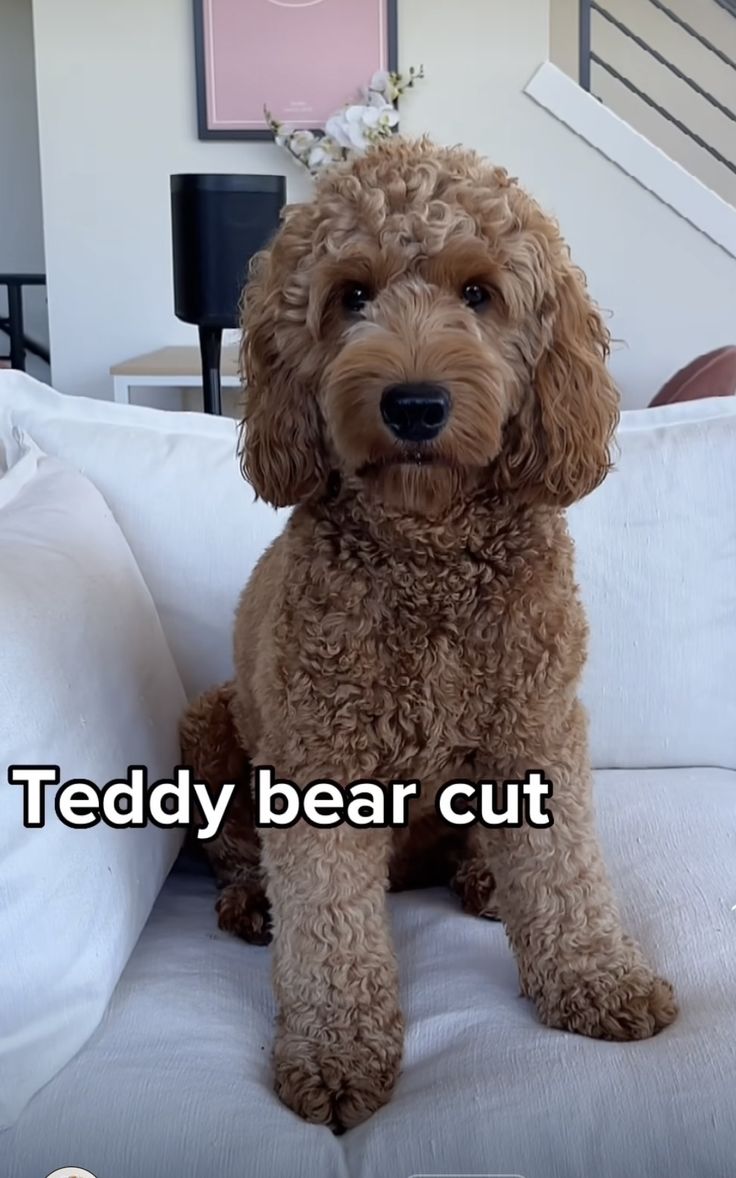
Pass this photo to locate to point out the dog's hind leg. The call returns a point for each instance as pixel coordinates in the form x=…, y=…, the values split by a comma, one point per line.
x=474, y=881
x=433, y=852
x=235, y=857
x=210, y=746
x=243, y=909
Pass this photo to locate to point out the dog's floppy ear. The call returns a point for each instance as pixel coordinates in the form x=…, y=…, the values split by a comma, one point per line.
x=281, y=449
x=557, y=448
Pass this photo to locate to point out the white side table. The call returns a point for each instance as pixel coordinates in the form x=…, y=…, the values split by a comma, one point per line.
x=172, y=368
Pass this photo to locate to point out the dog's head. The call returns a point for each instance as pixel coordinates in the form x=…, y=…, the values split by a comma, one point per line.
x=419, y=327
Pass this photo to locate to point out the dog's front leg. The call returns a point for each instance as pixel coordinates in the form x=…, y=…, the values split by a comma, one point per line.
x=575, y=961
x=340, y=1031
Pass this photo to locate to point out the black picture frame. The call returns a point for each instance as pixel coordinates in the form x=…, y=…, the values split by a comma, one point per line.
x=206, y=132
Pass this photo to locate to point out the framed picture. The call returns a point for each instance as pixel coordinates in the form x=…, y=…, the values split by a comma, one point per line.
x=303, y=59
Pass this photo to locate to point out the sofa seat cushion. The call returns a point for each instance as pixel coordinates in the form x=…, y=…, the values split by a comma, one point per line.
x=177, y=1081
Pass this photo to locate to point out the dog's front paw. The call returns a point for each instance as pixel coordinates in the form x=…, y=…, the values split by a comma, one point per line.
x=626, y=1003
x=338, y=1079
x=244, y=911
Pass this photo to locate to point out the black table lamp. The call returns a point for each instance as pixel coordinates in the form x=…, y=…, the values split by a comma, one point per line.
x=218, y=223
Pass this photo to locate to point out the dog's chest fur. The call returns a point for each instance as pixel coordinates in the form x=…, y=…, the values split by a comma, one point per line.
x=424, y=645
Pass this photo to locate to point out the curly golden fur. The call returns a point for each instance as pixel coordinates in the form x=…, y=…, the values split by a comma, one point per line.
x=210, y=747
x=419, y=618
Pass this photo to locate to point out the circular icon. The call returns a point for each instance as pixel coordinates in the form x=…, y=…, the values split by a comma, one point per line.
x=71, y=1172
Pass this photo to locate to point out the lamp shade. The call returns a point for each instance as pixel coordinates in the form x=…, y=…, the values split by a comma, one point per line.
x=218, y=222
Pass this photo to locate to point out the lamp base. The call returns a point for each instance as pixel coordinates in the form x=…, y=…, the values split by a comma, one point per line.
x=210, y=346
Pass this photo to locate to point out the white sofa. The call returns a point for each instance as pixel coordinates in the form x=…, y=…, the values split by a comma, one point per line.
x=175, y=1082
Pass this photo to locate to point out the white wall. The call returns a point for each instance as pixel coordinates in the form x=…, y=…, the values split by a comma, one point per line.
x=117, y=116
x=21, y=231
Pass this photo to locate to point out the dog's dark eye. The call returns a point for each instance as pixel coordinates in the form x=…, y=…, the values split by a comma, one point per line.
x=355, y=296
x=475, y=295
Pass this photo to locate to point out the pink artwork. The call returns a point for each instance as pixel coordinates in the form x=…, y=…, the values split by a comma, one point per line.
x=303, y=59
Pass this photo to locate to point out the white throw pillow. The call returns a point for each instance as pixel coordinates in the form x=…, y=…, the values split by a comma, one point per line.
x=656, y=563
x=173, y=483
x=87, y=682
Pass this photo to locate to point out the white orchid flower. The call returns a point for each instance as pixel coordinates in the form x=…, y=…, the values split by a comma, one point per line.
x=370, y=115
x=388, y=118
x=381, y=83
x=355, y=114
x=390, y=86
x=381, y=116
x=351, y=129
x=359, y=139
x=336, y=129
x=375, y=98
x=326, y=151
x=302, y=141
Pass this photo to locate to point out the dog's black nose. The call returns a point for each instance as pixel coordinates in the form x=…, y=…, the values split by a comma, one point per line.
x=415, y=412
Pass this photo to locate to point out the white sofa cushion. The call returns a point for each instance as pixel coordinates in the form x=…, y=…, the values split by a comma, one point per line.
x=178, y=1083
x=87, y=683
x=173, y=483
x=663, y=627
x=656, y=563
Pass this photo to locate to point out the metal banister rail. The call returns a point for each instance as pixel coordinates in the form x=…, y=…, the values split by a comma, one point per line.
x=589, y=56
x=12, y=323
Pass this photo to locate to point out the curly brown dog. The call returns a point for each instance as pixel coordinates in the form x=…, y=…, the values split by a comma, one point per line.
x=426, y=382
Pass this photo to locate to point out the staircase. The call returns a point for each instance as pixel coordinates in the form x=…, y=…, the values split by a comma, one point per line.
x=12, y=324
x=667, y=68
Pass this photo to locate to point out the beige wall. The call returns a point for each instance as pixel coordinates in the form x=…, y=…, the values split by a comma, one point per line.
x=117, y=116
x=657, y=30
